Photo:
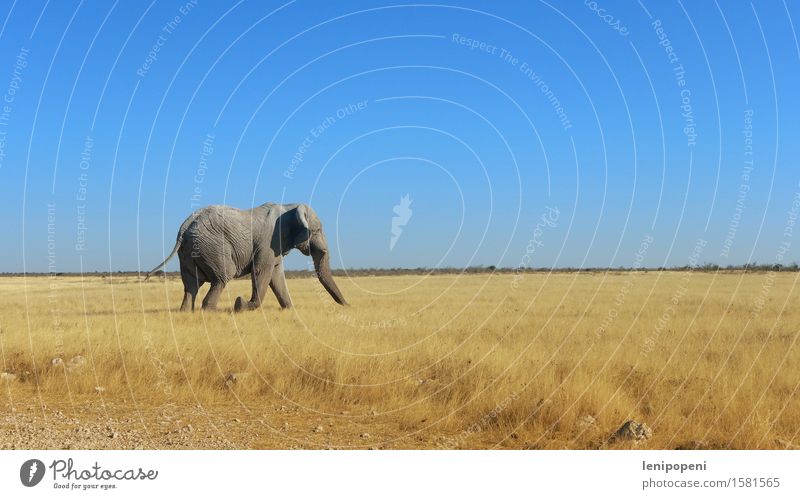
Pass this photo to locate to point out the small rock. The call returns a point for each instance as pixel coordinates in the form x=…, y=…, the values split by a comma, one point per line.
x=632, y=431
x=236, y=378
x=364, y=435
x=99, y=389
x=237, y=420
x=317, y=429
x=9, y=377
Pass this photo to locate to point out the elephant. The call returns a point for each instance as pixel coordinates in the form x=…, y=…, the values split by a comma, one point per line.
x=218, y=243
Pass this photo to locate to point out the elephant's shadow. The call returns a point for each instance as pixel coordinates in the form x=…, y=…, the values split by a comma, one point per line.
x=147, y=311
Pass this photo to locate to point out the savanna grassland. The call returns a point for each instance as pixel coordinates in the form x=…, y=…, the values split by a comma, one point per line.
x=537, y=361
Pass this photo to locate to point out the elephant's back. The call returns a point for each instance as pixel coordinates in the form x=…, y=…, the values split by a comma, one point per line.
x=219, y=220
x=217, y=211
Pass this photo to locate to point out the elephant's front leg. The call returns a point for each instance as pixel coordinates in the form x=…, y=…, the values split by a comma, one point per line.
x=278, y=285
x=261, y=275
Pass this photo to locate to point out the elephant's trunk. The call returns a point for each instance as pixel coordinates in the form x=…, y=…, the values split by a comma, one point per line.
x=322, y=265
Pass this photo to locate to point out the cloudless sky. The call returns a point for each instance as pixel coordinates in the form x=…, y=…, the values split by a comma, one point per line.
x=633, y=120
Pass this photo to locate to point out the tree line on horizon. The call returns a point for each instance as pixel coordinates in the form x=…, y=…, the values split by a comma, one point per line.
x=478, y=269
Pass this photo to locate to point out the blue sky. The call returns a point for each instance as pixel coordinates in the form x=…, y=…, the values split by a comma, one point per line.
x=674, y=121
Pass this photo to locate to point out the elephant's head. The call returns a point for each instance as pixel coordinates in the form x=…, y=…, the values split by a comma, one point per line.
x=304, y=231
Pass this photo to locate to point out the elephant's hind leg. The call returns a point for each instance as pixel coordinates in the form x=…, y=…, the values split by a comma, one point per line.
x=212, y=297
x=278, y=285
x=191, y=285
x=188, y=301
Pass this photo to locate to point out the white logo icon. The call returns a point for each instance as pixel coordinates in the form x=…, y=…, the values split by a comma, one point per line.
x=403, y=212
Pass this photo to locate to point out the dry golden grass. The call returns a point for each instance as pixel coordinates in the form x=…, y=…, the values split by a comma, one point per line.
x=447, y=361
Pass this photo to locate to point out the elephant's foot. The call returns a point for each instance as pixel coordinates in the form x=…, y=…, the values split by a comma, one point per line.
x=240, y=305
x=188, y=302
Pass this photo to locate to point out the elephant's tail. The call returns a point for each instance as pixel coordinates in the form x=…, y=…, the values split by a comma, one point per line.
x=161, y=265
x=178, y=240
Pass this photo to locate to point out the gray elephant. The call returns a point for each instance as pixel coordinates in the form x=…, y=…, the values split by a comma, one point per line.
x=219, y=243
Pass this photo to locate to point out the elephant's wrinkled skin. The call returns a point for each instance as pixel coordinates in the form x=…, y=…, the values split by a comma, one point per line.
x=219, y=243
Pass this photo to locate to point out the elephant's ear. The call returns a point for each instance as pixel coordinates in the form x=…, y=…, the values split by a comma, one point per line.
x=302, y=230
